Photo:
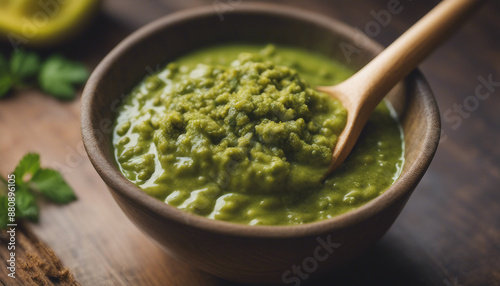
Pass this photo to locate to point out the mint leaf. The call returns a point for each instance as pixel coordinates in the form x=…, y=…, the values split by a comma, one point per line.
x=52, y=185
x=4, y=218
x=5, y=78
x=23, y=66
x=58, y=76
x=26, y=206
x=29, y=165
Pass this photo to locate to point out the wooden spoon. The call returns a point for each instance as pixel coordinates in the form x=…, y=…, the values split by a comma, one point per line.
x=363, y=91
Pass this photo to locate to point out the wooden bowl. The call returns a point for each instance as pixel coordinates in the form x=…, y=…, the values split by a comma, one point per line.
x=238, y=252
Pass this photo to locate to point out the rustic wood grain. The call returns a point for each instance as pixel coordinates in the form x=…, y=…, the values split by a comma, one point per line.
x=35, y=262
x=448, y=234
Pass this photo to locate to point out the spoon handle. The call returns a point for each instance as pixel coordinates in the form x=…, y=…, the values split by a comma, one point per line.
x=363, y=91
x=378, y=77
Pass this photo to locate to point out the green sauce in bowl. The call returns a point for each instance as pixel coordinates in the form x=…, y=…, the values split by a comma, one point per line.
x=238, y=133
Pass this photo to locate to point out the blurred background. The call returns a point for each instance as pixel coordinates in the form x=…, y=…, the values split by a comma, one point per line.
x=448, y=234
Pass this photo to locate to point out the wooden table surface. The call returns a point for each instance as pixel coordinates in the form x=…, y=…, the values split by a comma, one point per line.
x=448, y=234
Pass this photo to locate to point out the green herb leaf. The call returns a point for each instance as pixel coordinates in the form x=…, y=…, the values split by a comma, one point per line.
x=48, y=182
x=4, y=218
x=29, y=165
x=5, y=78
x=24, y=65
x=58, y=76
x=52, y=185
x=26, y=206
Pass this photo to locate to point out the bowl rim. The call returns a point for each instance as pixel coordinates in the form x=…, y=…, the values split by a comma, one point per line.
x=118, y=183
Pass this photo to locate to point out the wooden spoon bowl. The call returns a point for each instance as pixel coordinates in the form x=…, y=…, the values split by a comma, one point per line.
x=240, y=252
x=363, y=91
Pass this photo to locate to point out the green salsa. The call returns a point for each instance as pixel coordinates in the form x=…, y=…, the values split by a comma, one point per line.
x=238, y=133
